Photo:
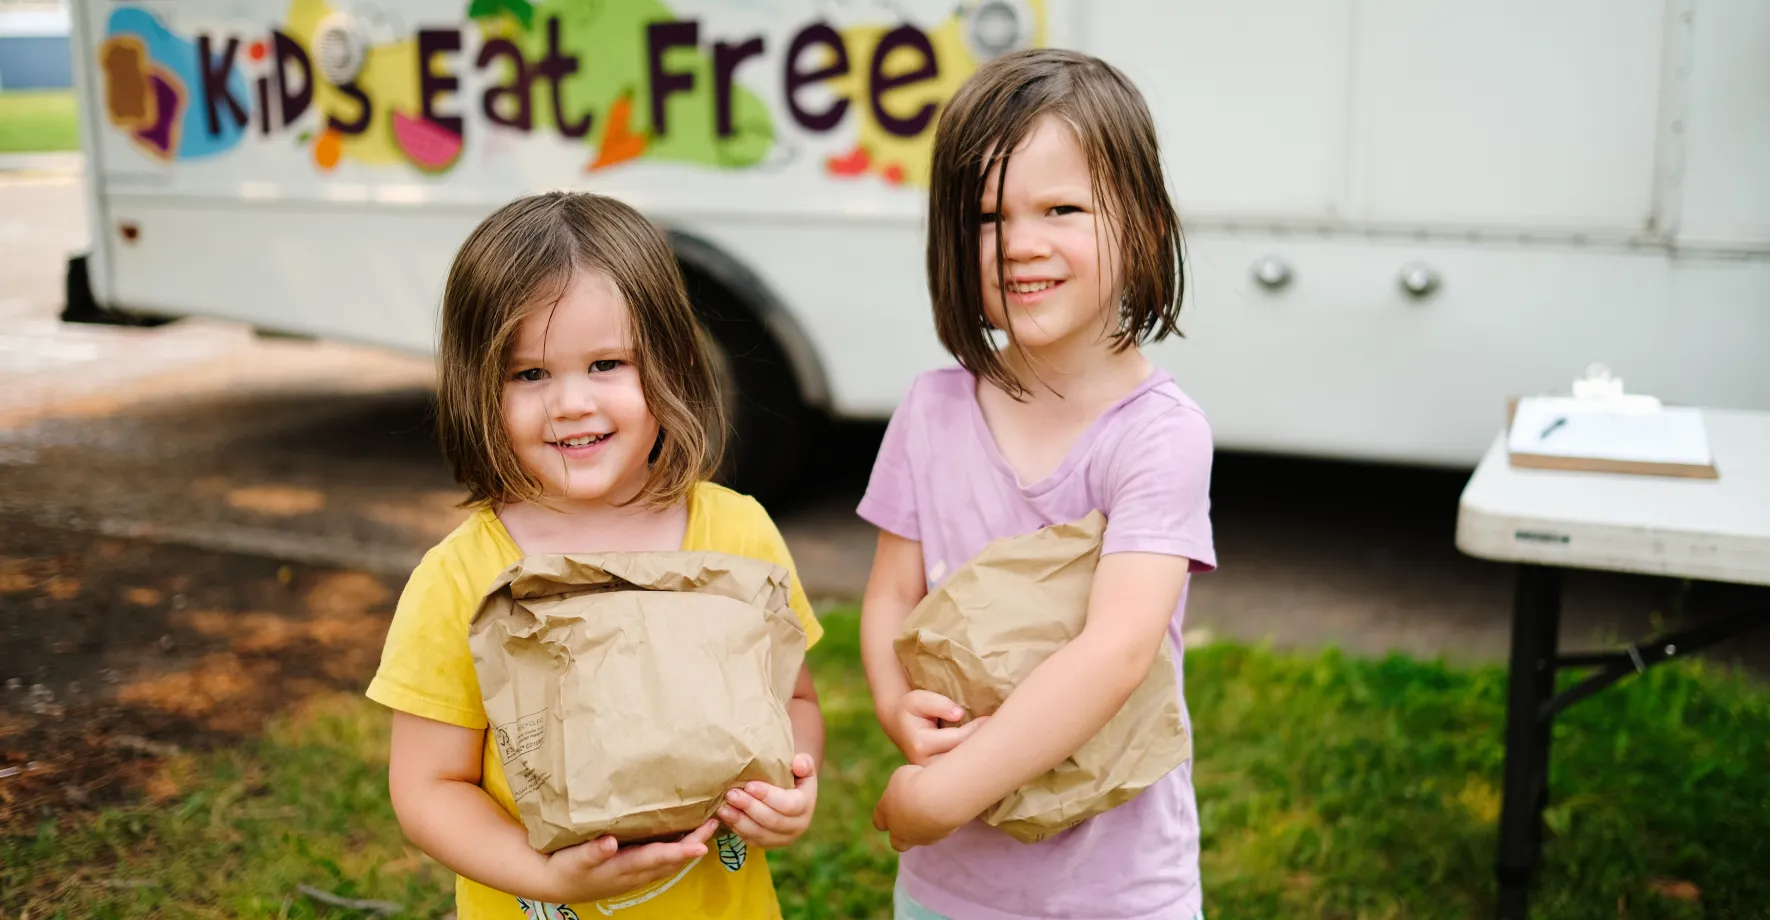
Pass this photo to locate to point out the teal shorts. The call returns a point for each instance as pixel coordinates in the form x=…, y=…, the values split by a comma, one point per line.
x=904, y=908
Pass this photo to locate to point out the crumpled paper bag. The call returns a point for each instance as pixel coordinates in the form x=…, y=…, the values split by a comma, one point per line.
x=626, y=692
x=979, y=634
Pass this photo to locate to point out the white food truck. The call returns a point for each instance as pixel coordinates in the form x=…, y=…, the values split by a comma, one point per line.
x=1398, y=212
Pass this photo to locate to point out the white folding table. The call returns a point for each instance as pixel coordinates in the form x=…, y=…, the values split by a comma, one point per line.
x=1549, y=520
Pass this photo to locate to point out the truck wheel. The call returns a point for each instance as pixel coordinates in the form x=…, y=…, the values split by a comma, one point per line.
x=768, y=421
x=79, y=306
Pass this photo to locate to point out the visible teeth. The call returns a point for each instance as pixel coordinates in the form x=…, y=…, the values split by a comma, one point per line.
x=584, y=441
x=1030, y=287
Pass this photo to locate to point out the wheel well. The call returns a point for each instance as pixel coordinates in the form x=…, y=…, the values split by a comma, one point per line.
x=771, y=379
x=725, y=284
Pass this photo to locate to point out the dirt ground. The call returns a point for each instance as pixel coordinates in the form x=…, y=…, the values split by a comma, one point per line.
x=120, y=652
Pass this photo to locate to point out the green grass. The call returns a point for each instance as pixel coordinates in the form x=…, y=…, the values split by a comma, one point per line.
x=36, y=121
x=1328, y=786
x=1334, y=787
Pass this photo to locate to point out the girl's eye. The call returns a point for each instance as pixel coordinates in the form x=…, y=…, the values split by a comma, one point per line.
x=991, y=217
x=1066, y=209
x=605, y=365
x=531, y=375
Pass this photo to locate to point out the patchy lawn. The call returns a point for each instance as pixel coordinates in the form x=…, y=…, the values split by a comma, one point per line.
x=1328, y=786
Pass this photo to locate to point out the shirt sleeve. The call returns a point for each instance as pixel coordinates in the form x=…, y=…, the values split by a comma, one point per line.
x=890, y=500
x=767, y=544
x=1158, y=491
x=426, y=665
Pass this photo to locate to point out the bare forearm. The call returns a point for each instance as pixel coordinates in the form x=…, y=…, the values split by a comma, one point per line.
x=1064, y=702
x=460, y=826
x=808, y=728
x=882, y=616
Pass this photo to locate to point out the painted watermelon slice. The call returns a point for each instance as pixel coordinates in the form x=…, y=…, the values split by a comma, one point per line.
x=430, y=146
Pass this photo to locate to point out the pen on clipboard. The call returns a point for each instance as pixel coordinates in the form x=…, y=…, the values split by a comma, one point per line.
x=1552, y=426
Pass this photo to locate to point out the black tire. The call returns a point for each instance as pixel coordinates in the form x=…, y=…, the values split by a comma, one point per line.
x=79, y=306
x=768, y=421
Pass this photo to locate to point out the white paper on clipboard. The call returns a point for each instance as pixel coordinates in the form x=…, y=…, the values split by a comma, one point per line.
x=1559, y=426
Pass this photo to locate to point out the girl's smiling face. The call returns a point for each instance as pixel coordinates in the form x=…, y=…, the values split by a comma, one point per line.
x=1059, y=255
x=574, y=409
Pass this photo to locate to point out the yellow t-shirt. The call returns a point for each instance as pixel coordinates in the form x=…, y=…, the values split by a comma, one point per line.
x=427, y=670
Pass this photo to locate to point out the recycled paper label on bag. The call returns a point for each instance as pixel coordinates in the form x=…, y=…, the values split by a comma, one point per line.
x=526, y=781
x=522, y=736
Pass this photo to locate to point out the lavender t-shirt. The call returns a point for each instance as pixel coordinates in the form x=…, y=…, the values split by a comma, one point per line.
x=1145, y=463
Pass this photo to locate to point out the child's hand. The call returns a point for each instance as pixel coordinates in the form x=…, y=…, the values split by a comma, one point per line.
x=919, y=733
x=906, y=812
x=771, y=817
x=596, y=869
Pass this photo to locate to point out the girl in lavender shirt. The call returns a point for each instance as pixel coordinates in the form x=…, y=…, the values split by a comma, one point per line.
x=1053, y=254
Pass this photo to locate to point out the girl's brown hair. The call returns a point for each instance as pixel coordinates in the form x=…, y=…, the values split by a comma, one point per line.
x=521, y=259
x=988, y=118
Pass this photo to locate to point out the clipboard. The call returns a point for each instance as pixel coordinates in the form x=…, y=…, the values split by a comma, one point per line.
x=1601, y=429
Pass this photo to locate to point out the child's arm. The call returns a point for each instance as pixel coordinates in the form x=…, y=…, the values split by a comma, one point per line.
x=433, y=777
x=911, y=718
x=807, y=717
x=1060, y=705
x=771, y=817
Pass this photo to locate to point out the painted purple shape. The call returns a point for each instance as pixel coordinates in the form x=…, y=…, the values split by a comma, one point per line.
x=167, y=105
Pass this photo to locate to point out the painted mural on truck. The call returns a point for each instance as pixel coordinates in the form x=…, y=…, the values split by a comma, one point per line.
x=621, y=82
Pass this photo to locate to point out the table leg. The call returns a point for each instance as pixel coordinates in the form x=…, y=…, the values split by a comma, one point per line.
x=1536, y=621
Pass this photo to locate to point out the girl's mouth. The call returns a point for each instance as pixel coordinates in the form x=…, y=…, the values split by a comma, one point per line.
x=1026, y=292
x=582, y=445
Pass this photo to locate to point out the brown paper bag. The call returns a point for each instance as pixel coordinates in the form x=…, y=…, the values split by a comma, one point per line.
x=626, y=692
x=978, y=635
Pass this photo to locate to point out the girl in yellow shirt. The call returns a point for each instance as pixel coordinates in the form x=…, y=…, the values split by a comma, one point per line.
x=577, y=406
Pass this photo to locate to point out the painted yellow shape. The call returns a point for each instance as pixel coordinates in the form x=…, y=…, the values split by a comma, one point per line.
x=885, y=150
x=389, y=78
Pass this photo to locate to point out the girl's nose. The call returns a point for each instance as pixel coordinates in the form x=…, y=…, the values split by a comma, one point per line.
x=573, y=396
x=1024, y=241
